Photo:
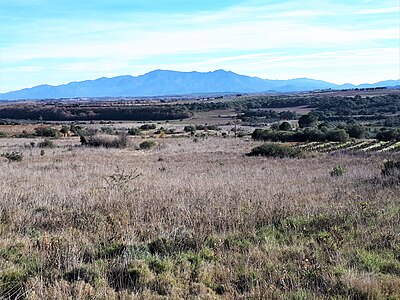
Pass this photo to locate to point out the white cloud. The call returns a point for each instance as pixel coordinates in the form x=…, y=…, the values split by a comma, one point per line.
x=385, y=10
x=263, y=40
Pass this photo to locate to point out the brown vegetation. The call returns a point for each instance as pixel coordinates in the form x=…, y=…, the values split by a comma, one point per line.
x=195, y=221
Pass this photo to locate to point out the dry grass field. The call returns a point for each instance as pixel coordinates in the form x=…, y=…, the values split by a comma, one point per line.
x=195, y=220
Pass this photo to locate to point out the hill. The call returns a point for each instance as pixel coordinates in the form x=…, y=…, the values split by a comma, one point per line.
x=162, y=82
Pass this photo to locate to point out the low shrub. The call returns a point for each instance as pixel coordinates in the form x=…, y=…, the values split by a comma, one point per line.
x=189, y=128
x=47, y=132
x=338, y=171
x=134, y=131
x=148, y=126
x=12, y=156
x=81, y=273
x=3, y=134
x=391, y=172
x=391, y=168
x=147, y=144
x=108, y=130
x=13, y=284
x=46, y=144
x=275, y=150
x=105, y=141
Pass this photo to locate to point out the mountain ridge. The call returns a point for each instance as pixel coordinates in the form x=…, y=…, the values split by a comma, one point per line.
x=167, y=82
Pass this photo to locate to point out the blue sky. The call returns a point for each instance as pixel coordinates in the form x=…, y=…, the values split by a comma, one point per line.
x=58, y=41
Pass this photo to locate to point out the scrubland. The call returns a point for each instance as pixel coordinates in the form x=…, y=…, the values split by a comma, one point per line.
x=195, y=220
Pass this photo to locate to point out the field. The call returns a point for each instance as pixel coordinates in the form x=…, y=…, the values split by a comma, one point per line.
x=354, y=146
x=196, y=219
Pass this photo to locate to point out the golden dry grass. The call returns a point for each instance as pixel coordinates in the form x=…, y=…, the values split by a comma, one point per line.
x=223, y=225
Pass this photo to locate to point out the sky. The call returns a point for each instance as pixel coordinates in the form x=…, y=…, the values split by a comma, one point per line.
x=59, y=41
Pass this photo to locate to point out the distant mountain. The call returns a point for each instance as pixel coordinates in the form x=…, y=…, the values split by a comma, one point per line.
x=162, y=83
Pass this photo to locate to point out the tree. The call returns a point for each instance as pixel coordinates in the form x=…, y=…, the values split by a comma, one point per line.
x=387, y=135
x=275, y=126
x=190, y=128
x=337, y=135
x=356, y=131
x=308, y=120
x=285, y=126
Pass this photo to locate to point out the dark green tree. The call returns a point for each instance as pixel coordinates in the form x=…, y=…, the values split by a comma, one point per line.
x=308, y=120
x=285, y=126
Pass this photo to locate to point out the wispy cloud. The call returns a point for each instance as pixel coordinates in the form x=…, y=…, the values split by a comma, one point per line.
x=385, y=10
x=335, y=40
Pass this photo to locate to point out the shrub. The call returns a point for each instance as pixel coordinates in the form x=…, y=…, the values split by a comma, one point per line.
x=213, y=127
x=388, y=135
x=308, y=120
x=47, y=132
x=12, y=156
x=158, y=265
x=3, y=134
x=275, y=150
x=338, y=171
x=337, y=135
x=46, y=144
x=241, y=134
x=190, y=128
x=108, y=130
x=12, y=284
x=148, y=126
x=285, y=126
x=391, y=168
x=81, y=273
x=206, y=127
x=135, y=276
x=65, y=129
x=107, y=142
x=356, y=131
x=147, y=144
x=200, y=127
x=134, y=131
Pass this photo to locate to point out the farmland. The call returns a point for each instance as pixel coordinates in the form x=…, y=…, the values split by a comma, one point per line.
x=353, y=146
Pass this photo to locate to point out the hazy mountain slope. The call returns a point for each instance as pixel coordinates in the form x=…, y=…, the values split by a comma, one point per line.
x=160, y=82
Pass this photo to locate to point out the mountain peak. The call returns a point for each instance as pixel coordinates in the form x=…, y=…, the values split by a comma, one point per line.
x=167, y=82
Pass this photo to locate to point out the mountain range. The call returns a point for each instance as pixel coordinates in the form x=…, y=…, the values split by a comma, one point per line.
x=164, y=83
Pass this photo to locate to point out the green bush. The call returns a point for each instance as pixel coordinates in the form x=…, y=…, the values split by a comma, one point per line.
x=47, y=132
x=275, y=150
x=356, y=131
x=388, y=135
x=104, y=141
x=391, y=171
x=12, y=284
x=391, y=168
x=189, y=128
x=285, y=126
x=46, y=144
x=147, y=144
x=148, y=126
x=81, y=273
x=3, y=134
x=204, y=127
x=308, y=120
x=338, y=171
x=134, y=131
x=108, y=130
x=337, y=135
x=158, y=265
x=12, y=156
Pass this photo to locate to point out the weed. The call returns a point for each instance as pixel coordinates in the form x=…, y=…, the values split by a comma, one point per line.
x=338, y=171
x=12, y=156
